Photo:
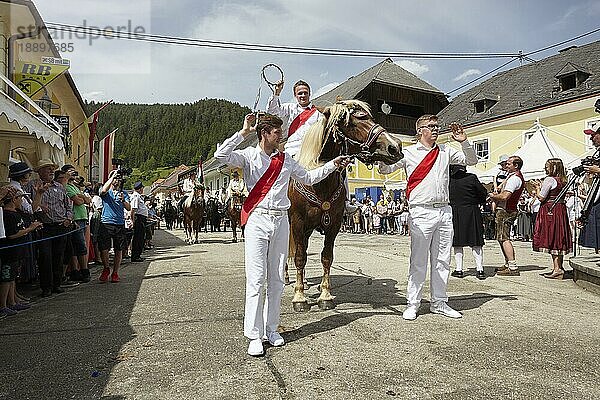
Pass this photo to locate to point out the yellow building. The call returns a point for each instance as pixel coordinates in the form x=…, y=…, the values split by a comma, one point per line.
x=29, y=59
x=553, y=97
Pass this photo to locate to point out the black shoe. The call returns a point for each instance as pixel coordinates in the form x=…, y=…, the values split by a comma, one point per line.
x=85, y=275
x=46, y=293
x=458, y=274
x=75, y=276
x=138, y=259
x=480, y=275
x=58, y=290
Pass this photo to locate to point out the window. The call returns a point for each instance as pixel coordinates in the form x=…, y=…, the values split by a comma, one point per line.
x=482, y=149
x=479, y=106
x=483, y=105
x=528, y=135
x=568, y=82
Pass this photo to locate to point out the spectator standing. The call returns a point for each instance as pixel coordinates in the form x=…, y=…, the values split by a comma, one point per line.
x=10, y=258
x=112, y=227
x=574, y=206
x=391, y=216
x=367, y=213
x=466, y=194
x=139, y=215
x=54, y=209
x=381, y=209
x=79, y=259
x=552, y=233
x=506, y=213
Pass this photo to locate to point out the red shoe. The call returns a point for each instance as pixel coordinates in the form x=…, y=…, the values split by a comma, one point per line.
x=114, y=278
x=104, y=275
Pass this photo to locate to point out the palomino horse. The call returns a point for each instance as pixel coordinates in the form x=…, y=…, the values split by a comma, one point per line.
x=193, y=215
x=347, y=129
x=234, y=209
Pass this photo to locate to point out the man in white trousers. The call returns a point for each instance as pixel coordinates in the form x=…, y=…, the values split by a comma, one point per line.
x=430, y=215
x=297, y=118
x=267, y=173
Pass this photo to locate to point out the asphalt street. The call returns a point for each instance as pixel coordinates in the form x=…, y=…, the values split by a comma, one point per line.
x=172, y=329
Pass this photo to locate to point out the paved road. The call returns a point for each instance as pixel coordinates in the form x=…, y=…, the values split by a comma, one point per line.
x=172, y=330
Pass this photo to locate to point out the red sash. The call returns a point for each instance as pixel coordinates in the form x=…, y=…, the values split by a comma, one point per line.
x=262, y=187
x=422, y=170
x=301, y=119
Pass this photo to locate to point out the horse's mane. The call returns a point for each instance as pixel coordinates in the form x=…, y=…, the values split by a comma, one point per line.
x=318, y=133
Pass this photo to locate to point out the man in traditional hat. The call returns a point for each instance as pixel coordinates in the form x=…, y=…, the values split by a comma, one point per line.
x=52, y=206
x=267, y=172
x=298, y=117
x=139, y=216
x=236, y=187
x=19, y=174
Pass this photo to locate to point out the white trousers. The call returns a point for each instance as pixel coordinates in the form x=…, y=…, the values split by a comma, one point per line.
x=431, y=235
x=266, y=251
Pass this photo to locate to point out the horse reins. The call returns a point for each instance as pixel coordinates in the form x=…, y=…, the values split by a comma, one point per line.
x=365, y=154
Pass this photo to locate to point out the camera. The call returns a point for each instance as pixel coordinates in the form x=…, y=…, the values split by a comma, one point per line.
x=122, y=171
x=586, y=162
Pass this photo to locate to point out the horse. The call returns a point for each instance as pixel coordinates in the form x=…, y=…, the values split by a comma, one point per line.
x=346, y=129
x=234, y=209
x=193, y=215
x=214, y=214
x=169, y=213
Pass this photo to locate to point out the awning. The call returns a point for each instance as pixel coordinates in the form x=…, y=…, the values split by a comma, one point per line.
x=28, y=122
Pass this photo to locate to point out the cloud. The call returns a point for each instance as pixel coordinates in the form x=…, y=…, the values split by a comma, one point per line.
x=324, y=75
x=466, y=74
x=94, y=96
x=324, y=89
x=413, y=67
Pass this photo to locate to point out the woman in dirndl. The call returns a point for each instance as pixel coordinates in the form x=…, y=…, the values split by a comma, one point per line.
x=552, y=233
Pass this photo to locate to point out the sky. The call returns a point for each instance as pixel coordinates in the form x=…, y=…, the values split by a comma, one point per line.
x=138, y=72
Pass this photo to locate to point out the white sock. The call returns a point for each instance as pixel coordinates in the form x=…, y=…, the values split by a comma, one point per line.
x=458, y=258
x=478, y=256
x=513, y=264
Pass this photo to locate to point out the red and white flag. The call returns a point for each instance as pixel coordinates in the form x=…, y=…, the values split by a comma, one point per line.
x=92, y=122
x=107, y=147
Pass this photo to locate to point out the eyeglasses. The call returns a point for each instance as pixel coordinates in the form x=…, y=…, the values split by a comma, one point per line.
x=431, y=127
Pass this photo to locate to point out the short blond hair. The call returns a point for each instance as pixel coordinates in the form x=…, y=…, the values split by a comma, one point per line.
x=424, y=118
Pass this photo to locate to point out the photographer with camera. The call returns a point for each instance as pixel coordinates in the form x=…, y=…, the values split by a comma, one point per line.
x=590, y=232
x=112, y=227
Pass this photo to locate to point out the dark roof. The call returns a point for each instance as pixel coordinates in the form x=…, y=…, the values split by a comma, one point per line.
x=386, y=72
x=528, y=87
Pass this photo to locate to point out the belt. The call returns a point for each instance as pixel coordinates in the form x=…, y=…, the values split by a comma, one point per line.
x=432, y=205
x=269, y=211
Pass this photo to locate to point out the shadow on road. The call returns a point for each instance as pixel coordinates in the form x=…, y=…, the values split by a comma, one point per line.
x=68, y=345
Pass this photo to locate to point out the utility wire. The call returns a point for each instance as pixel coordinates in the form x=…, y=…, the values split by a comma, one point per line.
x=86, y=30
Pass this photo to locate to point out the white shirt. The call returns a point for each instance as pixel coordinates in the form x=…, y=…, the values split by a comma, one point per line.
x=137, y=203
x=511, y=184
x=434, y=187
x=574, y=205
x=255, y=162
x=188, y=186
x=288, y=113
x=236, y=187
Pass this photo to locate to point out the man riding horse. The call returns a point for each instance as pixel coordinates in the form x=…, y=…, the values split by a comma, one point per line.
x=236, y=188
x=188, y=188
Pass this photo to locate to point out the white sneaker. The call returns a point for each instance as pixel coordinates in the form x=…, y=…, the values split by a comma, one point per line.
x=274, y=338
x=255, y=348
x=410, y=314
x=441, y=307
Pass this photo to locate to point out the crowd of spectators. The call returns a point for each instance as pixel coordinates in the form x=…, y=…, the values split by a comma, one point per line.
x=54, y=226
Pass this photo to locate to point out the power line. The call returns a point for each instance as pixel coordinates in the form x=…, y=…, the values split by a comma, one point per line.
x=164, y=39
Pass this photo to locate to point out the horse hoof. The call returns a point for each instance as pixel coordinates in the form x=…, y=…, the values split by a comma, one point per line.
x=326, y=305
x=301, y=306
x=234, y=240
x=287, y=280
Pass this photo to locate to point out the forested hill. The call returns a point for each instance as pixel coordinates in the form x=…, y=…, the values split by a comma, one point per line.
x=161, y=135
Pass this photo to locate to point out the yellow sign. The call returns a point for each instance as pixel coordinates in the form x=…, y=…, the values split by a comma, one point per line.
x=31, y=77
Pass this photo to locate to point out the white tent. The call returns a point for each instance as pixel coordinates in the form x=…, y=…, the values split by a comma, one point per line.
x=537, y=150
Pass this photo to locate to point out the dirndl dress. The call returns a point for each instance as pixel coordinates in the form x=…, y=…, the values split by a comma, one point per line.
x=552, y=233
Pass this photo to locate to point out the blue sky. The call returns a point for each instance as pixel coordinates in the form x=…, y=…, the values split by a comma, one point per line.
x=156, y=73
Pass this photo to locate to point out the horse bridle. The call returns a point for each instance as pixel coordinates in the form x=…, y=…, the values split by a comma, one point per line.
x=365, y=155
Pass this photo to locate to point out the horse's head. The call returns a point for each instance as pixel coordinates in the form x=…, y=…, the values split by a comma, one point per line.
x=351, y=126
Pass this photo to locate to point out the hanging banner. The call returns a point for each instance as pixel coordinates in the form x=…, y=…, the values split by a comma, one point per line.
x=31, y=77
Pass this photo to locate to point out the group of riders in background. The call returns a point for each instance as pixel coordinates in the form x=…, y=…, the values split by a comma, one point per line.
x=207, y=210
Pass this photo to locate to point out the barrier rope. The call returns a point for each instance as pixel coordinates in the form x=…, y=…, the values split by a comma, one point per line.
x=41, y=240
